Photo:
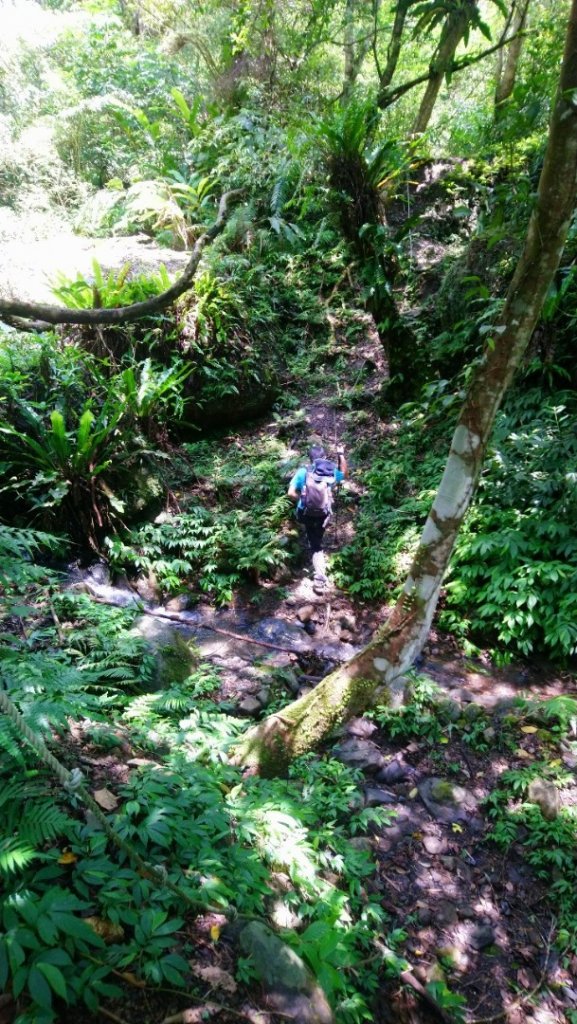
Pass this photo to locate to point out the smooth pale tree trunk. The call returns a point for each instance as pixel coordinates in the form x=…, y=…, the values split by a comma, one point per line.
x=508, y=58
x=452, y=32
x=272, y=744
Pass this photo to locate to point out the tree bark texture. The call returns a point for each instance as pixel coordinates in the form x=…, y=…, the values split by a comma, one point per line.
x=271, y=745
x=508, y=58
x=46, y=315
x=453, y=30
x=394, y=47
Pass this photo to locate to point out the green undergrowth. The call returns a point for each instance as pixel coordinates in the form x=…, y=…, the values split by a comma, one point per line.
x=76, y=913
x=233, y=525
x=512, y=582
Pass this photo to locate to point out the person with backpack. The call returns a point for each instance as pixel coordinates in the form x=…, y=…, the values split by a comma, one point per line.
x=312, y=487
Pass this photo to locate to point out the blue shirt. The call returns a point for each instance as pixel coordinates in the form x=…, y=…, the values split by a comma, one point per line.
x=299, y=479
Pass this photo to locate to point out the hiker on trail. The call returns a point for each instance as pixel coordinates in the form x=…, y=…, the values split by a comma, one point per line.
x=312, y=488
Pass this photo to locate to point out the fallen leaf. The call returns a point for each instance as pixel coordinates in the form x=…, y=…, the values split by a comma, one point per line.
x=413, y=793
x=522, y=753
x=67, y=857
x=105, y=799
x=529, y=729
x=215, y=932
x=131, y=979
x=215, y=977
x=107, y=930
x=456, y=827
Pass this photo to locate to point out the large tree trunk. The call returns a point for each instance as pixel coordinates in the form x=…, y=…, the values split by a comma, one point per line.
x=508, y=58
x=453, y=31
x=271, y=745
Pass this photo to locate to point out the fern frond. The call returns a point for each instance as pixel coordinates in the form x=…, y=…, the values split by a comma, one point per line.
x=15, y=855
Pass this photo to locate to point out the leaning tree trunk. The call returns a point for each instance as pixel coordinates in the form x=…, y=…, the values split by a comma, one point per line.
x=271, y=745
x=453, y=31
x=508, y=59
x=394, y=48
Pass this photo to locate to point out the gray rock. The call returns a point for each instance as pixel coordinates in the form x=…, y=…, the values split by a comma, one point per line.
x=180, y=603
x=359, y=753
x=445, y=913
x=434, y=844
x=465, y=696
x=472, y=712
x=263, y=696
x=306, y=612
x=446, y=801
x=249, y=707
x=348, y=621
x=466, y=912
x=546, y=796
x=489, y=734
x=375, y=797
x=482, y=936
x=425, y=915
x=363, y=728
x=291, y=988
x=395, y=771
x=449, y=710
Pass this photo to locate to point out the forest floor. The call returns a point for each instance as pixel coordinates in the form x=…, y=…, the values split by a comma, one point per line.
x=476, y=917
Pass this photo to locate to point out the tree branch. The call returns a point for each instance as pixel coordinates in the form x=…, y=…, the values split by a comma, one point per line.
x=50, y=315
x=386, y=97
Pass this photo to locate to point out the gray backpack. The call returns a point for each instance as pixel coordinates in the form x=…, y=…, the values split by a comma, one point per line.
x=317, y=495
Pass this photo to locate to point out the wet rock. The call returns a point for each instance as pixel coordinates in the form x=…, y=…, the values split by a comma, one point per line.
x=359, y=753
x=310, y=627
x=291, y=988
x=249, y=707
x=546, y=795
x=306, y=612
x=361, y=727
x=482, y=936
x=279, y=631
x=336, y=652
x=375, y=797
x=147, y=588
x=98, y=574
x=395, y=771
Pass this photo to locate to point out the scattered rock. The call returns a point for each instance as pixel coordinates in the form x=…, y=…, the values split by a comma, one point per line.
x=346, y=637
x=546, y=796
x=466, y=912
x=434, y=844
x=361, y=727
x=465, y=696
x=489, y=734
x=425, y=915
x=472, y=712
x=310, y=627
x=395, y=771
x=180, y=603
x=306, y=612
x=359, y=753
x=445, y=913
x=482, y=936
x=263, y=696
x=361, y=843
x=347, y=621
x=291, y=988
x=375, y=797
x=249, y=707
x=446, y=801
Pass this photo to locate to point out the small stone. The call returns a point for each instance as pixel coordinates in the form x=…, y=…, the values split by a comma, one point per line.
x=347, y=621
x=472, y=712
x=306, y=612
x=361, y=843
x=449, y=710
x=361, y=727
x=546, y=796
x=375, y=797
x=249, y=707
x=449, y=863
x=394, y=771
x=482, y=936
x=466, y=912
x=424, y=915
x=465, y=696
x=310, y=627
x=180, y=603
x=433, y=844
x=489, y=734
x=359, y=753
x=263, y=696
x=446, y=913
x=346, y=636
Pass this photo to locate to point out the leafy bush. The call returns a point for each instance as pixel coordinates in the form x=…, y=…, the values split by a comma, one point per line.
x=513, y=575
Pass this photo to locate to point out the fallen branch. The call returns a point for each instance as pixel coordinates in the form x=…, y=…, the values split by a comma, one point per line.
x=46, y=316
